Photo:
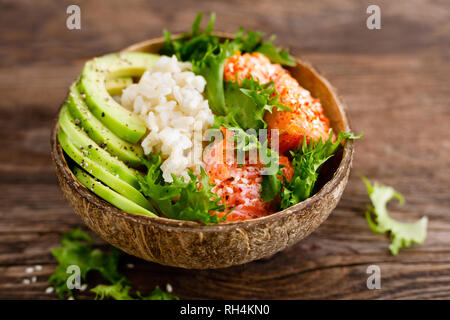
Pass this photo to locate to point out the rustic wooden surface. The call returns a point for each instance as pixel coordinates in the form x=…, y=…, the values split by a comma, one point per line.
x=395, y=81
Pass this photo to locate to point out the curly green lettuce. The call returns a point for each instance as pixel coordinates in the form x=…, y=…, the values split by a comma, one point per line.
x=208, y=56
x=403, y=234
x=246, y=103
x=121, y=291
x=76, y=249
x=254, y=41
x=194, y=45
x=180, y=200
x=307, y=161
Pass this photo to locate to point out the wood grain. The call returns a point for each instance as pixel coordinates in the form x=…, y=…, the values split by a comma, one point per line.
x=395, y=82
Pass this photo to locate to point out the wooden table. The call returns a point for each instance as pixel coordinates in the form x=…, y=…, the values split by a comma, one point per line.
x=395, y=82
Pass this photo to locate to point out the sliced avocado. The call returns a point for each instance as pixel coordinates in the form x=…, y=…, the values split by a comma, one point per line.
x=119, y=120
x=116, y=86
x=101, y=173
x=108, y=194
x=93, y=151
x=125, y=151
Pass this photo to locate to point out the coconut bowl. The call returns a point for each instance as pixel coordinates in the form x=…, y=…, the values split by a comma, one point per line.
x=192, y=245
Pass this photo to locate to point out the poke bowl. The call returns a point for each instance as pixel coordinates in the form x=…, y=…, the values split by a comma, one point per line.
x=195, y=244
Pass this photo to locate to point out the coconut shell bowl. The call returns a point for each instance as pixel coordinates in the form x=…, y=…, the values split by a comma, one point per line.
x=193, y=245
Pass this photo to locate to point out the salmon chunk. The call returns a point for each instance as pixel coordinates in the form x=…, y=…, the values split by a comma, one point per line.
x=239, y=186
x=306, y=118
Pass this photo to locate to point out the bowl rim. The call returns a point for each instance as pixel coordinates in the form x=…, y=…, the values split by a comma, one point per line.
x=193, y=226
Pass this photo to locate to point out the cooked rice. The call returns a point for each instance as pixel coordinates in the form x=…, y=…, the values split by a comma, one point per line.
x=169, y=99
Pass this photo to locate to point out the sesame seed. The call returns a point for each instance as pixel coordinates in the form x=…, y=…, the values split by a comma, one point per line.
x=83, y=287
x=29, y=270
x=49, y=290
x=169, y=288
x=26, y=281
x=71, y=298
x=130, y=265
x=33, y=279
x=38, y=267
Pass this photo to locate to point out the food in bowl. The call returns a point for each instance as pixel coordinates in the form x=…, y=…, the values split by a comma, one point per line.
x=208, y=130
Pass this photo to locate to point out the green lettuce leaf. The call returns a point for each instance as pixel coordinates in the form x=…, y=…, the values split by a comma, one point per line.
x=181, y=200
x=121, y=291
x=211, y=66
x=254, y=41
x=76, y=249
x=194, y=45
x=191, y=46
x=117, y=291
x=307, y=160
x=247, y=102
x=158, y=294
x=403, y=234
x=241, y=105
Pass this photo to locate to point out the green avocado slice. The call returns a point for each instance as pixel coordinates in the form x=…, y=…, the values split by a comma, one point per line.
x=108, y=194
x=101, y=173
x=93, y=151
x=124, y=123
x=116, y=86
x=125, y=151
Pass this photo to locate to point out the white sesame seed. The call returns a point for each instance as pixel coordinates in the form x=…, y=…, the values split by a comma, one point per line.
x=29, y=270
x=130, y=265
x=33, y=279
x=83, y=287
x=26, y=281
x=38, y=267
x=169, y=288
x=49, y=290
x=70, y=298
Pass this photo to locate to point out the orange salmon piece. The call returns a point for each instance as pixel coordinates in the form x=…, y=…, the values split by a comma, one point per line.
x=306, y=118
x=239, y=186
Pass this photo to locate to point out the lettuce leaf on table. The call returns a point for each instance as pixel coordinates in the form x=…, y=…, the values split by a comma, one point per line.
x=403, y=234
x=76, y=249
x=121, y=291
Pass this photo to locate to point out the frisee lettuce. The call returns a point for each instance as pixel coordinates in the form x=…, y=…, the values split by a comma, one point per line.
x=211, y=68
x=307, y=160
x=191, y=46
x=180, y=200
x=254, y=41
x=247, y=102
x=121, y=291
x=77, y=249
x=208, y=56
x=403, y=234
x=194, y=45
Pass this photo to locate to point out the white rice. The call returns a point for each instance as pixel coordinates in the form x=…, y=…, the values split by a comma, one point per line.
x=169, y=99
